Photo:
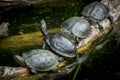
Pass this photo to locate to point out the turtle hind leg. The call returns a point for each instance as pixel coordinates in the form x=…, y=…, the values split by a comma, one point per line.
x=77, y=40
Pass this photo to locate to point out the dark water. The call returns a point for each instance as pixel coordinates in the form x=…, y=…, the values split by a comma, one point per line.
x=104, y=66
x=27, y=19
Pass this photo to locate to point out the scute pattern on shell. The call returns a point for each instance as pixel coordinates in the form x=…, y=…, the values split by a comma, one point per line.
x=96, y=10
x=61, y=45
x=77, y=26
x=68, y=24
x=82, y=28
x=41, y=60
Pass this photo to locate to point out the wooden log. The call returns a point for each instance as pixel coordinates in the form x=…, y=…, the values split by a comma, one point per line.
x=15, y=3
x=83, y=46
x=25, y=40
x=30, y=1
x=7, y=5
x=86, y=44
x=36, y=38
x=32, y=39
x=7, y=73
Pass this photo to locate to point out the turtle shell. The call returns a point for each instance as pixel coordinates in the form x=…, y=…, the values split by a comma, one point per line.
x=96, y=10
x=68, y=24
x=41, y=60
x=78, y=26
x=61, y=44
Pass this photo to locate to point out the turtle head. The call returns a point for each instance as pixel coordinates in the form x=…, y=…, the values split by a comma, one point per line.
x=43, y=27
x=20, y=60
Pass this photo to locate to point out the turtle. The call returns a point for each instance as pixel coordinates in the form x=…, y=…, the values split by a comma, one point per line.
x=78, y=26
x=38, y=60
x=96, y=12
x=58, y=43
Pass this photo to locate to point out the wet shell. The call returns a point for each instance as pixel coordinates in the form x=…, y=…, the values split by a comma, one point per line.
x=96, y=10
x=61, y=45
x=78, y=26
x=41, y=60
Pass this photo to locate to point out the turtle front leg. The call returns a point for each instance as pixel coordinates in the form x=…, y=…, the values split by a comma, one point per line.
x=77, y=40
x=100, y=27
x=111, y=19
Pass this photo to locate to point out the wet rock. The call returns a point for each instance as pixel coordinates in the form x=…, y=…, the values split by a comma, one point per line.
x=4, y=29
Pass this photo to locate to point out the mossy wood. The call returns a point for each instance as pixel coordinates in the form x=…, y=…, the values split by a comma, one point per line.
x=24, y=40
x=36, y=38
